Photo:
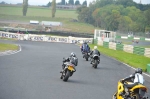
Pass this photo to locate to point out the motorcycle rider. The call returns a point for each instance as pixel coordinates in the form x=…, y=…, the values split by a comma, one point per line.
x=93, y=52
x=85, y=47
x=136, y=78
x=72, y=58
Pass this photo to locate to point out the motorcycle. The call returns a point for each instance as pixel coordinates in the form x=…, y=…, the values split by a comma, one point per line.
x=86, y=55
x=131, y=91
x=68, y=71
x=95, y=60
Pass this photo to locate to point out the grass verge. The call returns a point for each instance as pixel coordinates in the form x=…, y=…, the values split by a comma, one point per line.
x=4, y=47
x=13, y=14
x=133, y=60
x=4, y=38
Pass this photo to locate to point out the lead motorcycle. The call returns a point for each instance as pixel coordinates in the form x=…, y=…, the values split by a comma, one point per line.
x=95, y=60
x=68, y=71
x=130, y=91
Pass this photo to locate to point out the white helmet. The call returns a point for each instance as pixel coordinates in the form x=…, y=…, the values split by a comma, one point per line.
x=95, y=47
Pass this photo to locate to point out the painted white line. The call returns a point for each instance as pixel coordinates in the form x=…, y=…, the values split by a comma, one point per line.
x=11, y=52
x=127, y=65
x=134, y=69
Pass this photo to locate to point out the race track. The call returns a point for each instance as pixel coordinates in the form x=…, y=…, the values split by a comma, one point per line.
x=33, y=73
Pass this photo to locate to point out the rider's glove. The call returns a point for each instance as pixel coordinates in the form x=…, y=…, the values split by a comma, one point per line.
x=122, y=81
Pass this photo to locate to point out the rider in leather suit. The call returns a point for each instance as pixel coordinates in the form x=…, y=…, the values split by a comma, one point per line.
x=93, y=52
x=72, y=58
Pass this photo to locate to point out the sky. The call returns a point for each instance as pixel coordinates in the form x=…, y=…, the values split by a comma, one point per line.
x=44, y=2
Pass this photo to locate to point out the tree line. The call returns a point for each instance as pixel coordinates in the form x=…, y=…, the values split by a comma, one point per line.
x=116, y=15
x=70, y=2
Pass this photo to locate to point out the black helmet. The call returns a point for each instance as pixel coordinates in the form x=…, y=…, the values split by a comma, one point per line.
x=138, y=70
x=73, y=54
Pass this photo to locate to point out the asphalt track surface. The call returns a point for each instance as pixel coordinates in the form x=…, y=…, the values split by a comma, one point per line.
x=141, y=43
x=33, y=73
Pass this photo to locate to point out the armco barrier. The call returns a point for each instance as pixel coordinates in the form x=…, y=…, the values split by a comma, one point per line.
x=132, y=38
x=148, y=68
x=100, y=43
x=147, y=52
x=119, y=47
x=112, y=45
x=57, y=33
x=106, y=44
x=139, y=50
x=127, y=48
x=142, y=38
x=95, y=41
x=45, y=38
x=117, y=36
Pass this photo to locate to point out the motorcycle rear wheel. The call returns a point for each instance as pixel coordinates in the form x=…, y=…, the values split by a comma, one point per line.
x=65, y=78
x=96, y=63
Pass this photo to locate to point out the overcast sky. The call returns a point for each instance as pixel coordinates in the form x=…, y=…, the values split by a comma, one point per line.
x=44, y=2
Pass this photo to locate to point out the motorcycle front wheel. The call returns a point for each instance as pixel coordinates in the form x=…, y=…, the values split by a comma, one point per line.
x=67, y=75
x=86, y=57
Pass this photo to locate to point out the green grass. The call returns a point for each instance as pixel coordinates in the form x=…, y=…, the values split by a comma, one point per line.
x=128, y=58
x=14, y=13
x=4, y=47
x=36, y=11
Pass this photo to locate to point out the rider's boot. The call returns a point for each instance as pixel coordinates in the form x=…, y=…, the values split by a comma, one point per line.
x=91, y=61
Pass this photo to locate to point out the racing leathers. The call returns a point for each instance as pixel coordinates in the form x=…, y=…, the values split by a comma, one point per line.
x=94, y=52
x=73, y=60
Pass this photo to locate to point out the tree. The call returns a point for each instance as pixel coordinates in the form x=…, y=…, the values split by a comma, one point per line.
x=85, y=3
x=147, y=17
x=53, y=8
x=71, y=2
x=66, y=3
x=124, y=17
x=49, y=4
x=85, y=15
x=125, y=3
x=114, y=19
x=101, y=3
x=3, y=2
x=124, y=24
x=63, y=2
x=96, y=17
x=25, y=7
x=77, y=2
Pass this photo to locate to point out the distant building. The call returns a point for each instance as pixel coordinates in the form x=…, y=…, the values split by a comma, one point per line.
x=50, y=23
